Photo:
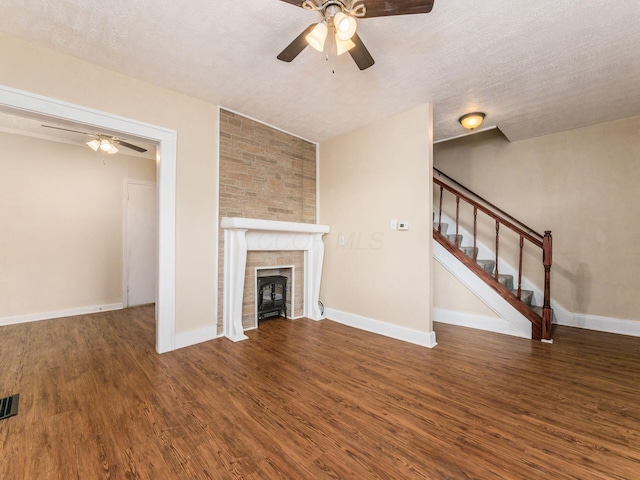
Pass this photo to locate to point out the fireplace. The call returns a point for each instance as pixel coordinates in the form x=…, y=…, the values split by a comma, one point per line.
x=272, y=296
x=249, y=234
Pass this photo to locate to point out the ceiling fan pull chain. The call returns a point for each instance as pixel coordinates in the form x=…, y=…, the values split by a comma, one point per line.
x=329, y=49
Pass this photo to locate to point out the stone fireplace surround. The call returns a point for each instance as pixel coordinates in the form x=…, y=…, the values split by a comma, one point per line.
x=248, y=234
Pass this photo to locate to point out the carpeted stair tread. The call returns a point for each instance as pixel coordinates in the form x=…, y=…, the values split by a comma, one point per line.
x=443, y=227
x=468, y=251
x=452, y=238
x=538, y=310
x=525, y=295
x=506, y=280
x=487, y=265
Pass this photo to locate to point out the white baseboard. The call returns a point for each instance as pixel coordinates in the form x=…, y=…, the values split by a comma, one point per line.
x=482, y=322
x=417, y=337
x=620, y=326
x=70, y=312
x=194, y=337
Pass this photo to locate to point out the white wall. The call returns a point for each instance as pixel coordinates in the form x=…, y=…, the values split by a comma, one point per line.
x=61, y=217
x=368, y=177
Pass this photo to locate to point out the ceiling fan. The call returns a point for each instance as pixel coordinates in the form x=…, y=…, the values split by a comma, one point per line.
x=104, y=143
x=339, y=20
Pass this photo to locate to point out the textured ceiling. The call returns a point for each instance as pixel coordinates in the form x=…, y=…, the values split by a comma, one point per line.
x=533, y=67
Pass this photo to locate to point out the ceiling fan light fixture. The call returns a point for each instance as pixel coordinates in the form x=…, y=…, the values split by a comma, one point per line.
x=345, y=25
x=343, y=46
x=318, y=36
x=472, y=120
x=94, y=145
x=112, y=150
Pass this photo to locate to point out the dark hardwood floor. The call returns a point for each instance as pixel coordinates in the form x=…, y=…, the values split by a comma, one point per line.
x=312, y=400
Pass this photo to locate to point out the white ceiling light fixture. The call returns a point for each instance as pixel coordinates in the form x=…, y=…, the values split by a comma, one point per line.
x=318, y=36
x=102, y=144
x=94, y=145
x=343, y=46
x=472, y=120
x=345, y=26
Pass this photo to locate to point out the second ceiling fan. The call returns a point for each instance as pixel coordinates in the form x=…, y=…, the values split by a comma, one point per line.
x=339, y=25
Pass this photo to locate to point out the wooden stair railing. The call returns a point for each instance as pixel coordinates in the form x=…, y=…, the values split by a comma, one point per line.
x=540, y=324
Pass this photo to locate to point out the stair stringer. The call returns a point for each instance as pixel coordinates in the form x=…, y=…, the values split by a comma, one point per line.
x=509, y=321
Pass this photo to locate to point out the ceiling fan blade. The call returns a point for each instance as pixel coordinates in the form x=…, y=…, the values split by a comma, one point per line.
x=360, y=54
x=69, y=130
x=385, y=8
x=295, y=47
x=129, y=145
x=297, y=3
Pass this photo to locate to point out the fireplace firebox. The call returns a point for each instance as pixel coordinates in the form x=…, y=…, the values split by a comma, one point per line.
x=272, y=296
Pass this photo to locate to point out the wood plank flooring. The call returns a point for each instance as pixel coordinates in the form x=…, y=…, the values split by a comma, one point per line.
x=314, y=400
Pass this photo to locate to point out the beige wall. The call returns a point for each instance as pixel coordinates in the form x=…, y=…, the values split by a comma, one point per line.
x=27, y=67
x=368, y=177
x=62, y=222
x=583, y=186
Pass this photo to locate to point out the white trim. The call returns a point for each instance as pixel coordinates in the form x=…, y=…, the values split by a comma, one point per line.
x=125, y=234
x=293, y=286
x=417, y=337
x=471, y=132
x=599, y=323
x=219, y=237
x=194, y=337
x=220, y=107
x=31, y=105
x=513, y=322
x=318, y=183
x=69, y=312
x=479, y=322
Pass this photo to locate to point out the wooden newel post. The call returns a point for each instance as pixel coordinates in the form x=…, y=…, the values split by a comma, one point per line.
x=546, y=308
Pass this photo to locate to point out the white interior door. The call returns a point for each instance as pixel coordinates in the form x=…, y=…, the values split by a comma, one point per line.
x=140, y=244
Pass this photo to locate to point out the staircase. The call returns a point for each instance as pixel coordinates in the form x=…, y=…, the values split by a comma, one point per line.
x=506, y=285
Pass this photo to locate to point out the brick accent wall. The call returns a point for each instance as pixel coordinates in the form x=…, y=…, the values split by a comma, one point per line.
x=266, y=174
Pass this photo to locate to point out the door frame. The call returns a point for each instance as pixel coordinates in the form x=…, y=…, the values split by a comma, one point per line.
x=125, y=234
x=31, y=105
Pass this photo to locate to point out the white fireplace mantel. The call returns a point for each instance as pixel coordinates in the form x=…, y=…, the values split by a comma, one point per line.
x=245, y=234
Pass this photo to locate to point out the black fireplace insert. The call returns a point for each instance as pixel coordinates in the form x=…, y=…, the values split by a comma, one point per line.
x=272, y=296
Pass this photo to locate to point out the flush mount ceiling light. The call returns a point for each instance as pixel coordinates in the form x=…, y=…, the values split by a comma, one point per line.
x=471, y=121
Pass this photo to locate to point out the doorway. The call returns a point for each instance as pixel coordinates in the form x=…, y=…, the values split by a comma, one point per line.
x=30, y=105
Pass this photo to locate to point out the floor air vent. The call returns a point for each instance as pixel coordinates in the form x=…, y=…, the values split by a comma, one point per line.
x=9, y=406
